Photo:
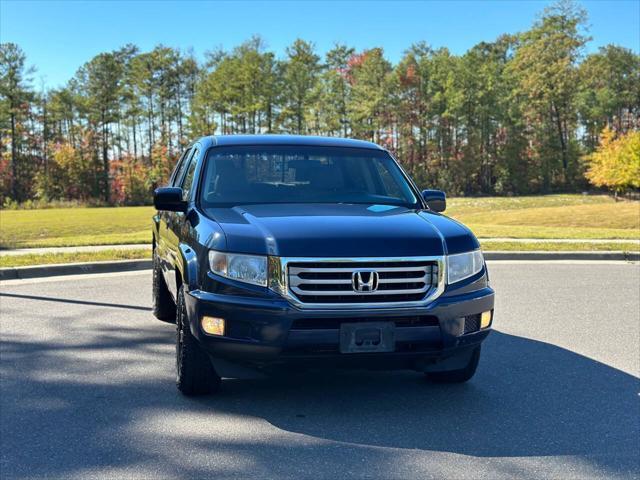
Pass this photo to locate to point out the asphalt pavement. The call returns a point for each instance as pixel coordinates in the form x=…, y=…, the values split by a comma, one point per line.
x=87, y=391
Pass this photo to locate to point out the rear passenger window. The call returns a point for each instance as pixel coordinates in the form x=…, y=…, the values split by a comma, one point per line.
x=187, y=184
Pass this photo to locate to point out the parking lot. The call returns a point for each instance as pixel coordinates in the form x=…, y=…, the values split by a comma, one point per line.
x=87, y=391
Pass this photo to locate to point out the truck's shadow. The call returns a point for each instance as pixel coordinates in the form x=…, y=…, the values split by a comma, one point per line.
x=529, y=398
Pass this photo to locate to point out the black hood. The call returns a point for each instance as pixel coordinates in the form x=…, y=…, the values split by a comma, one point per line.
x=339, y=230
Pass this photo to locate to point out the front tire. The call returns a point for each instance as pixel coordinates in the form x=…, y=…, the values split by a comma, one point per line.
x=164, y=307
x=457, y=376
x=195, y=374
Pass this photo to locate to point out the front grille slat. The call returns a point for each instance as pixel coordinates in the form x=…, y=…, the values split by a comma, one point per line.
x=423, y=278
x=297, y=270
x=352, y=293
x=295, y=281
x=323, y=282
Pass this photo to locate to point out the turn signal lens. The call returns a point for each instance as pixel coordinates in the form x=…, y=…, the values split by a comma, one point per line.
x=485, y=319
x=213, y=325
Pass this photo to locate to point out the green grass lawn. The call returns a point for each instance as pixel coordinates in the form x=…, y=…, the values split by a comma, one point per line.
x=136, y=254
x=552, y=216
x=80, y=257
x=63, y=227
x=613, y=246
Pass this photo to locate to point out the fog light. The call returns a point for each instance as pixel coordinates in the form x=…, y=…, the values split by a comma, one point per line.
x=213, y=325
x=485, y=319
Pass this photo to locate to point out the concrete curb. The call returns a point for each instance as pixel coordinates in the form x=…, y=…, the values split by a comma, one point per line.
x=13, y=273
x=16, y=273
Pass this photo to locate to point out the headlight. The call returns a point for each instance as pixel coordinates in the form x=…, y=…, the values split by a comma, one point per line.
x=244, y=268
x=463, y=265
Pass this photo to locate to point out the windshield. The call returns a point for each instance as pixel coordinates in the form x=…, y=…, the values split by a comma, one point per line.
x=294, y=174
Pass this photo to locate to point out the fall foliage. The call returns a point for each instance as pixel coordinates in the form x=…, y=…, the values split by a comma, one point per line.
x=515, y=115
x=616, y=162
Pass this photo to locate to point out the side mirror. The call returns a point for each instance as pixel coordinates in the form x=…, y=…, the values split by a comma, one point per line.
x=170, y=199
x=436, y=200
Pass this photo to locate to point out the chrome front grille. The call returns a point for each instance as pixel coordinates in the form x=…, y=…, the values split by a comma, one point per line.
x=333, y=282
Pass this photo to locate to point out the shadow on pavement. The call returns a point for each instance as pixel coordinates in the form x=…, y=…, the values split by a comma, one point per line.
x=75, y=302
x=528, y=399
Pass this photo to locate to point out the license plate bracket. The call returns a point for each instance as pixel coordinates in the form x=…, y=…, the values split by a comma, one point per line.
x=367, y=337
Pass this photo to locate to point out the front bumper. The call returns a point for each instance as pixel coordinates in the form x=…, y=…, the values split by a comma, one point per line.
x=271, y=332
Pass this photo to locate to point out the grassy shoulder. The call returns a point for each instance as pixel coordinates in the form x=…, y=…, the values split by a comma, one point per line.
x=80, y=257
x=550, y=216
x=137, y=254
x=489, y=246
x=67, y=227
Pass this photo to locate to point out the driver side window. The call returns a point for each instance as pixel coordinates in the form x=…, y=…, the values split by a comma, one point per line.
x=180, y=168
x=187, y=183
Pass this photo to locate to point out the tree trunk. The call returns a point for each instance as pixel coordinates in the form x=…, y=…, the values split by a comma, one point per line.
x=14, y=157
x=105, y=159
x=563, y=143
x=180, y=133
x=150, y=132
x=45, y=151
x=135, y=140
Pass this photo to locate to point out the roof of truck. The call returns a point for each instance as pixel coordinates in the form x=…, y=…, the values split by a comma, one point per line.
x=308, y=140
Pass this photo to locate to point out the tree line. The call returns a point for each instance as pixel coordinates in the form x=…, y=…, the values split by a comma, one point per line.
x=521, y=114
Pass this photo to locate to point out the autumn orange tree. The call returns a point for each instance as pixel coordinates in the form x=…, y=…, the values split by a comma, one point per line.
x=615, y=164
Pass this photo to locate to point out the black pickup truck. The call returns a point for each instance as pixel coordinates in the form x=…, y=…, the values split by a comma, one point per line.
x=291, y=252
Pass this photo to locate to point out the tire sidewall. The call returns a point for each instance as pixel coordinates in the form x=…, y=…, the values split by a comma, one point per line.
x=195, y=374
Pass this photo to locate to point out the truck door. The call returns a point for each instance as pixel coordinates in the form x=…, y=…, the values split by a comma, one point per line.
x=163, y=216
x=176, y=228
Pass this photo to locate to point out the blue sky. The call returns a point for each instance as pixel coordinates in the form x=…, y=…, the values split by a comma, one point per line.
x=59, y=36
